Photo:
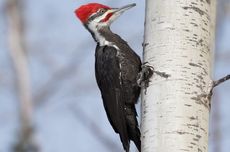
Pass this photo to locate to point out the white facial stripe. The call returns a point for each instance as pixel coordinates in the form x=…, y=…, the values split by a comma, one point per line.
x=98, y=19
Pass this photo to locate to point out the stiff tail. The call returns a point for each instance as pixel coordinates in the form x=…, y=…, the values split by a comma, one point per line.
x=132, y=126
x=125, y=143
x=136, y=139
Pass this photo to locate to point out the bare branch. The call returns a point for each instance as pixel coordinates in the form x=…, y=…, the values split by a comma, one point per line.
x=216, y=83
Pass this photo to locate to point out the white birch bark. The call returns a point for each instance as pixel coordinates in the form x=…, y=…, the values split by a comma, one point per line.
x=17, y=52
x=179, y=40
x=19, y=59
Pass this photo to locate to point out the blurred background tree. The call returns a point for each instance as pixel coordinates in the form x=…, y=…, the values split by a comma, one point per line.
x=58, y=54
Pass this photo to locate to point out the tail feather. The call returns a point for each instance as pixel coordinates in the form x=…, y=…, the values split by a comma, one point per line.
x=132, y=126
x=136, y=139
x=125, y=143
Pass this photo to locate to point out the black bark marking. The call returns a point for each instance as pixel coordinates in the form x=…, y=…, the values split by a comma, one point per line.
x=193, y=125
x=200, y=77
x=200, y=42
x=197, y=81
x=198, y=136
x=184, y=149
x=195, y=65
x=201, y=12
x=161, y=22
x=208, y=1
x=202, y=100
x=204, y=29
x=188, y=105
x=195, y=139
x=193, y=143
x=180, y=132
x=194, y=25
x=193, y=118
x=203, y=130
x=144, y=45
x=194, y=3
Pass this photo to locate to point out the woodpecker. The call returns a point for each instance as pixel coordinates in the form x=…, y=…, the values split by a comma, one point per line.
x=116, y=69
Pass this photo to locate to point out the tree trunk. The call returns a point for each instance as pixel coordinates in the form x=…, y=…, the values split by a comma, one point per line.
x=179, y=41
x=17, y=50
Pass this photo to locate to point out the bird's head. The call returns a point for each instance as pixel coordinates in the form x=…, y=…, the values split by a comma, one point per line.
x=96, y=16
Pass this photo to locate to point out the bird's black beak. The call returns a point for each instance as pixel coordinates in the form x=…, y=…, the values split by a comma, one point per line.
x=118, y=11
x=124, y=8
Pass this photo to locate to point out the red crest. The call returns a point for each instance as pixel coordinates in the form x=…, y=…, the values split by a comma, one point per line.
x=84, y=11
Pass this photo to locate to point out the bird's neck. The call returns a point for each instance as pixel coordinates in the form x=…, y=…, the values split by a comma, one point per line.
x=103, y=36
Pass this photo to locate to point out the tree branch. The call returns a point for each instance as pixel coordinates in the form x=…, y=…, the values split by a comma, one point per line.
x=218, y=82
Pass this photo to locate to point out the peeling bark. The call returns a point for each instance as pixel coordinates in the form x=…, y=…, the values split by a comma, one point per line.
x=179, y=41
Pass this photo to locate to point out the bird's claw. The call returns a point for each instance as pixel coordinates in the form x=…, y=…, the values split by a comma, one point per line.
x=143, y=77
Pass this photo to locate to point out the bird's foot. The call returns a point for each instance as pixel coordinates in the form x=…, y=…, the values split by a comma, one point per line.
x=146, y=73
x=143, y=77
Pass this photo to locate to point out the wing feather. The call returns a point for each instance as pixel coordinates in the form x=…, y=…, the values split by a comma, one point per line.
x=108, y=77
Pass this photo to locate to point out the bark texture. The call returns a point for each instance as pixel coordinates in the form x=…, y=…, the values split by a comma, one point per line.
x=179, y=40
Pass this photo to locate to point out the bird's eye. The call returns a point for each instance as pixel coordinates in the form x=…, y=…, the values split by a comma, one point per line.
x=102, y=10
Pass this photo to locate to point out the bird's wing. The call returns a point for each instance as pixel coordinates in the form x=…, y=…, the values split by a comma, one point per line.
x=108, y=75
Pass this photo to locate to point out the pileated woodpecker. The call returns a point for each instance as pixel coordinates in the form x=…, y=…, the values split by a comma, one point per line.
x=117, y=67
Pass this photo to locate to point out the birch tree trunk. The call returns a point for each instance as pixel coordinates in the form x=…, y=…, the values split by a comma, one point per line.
x=179, y=40
x=17, y=50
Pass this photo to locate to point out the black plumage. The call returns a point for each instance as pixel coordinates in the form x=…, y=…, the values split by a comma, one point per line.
x=116, y=68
